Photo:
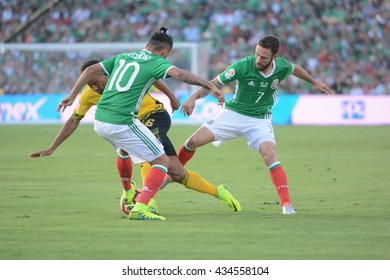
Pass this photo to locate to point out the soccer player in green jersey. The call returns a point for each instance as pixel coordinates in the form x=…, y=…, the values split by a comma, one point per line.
x=248, y=113
x=131, y=74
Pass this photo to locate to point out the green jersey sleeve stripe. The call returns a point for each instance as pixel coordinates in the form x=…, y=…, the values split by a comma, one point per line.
x=219, y=81
x=166, y=72
x=104, y=69
x=144, y=90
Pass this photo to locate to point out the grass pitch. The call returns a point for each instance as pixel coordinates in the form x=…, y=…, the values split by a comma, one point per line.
x=66, y=206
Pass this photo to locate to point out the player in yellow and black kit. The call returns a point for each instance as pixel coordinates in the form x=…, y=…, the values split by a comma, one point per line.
x=153, y=115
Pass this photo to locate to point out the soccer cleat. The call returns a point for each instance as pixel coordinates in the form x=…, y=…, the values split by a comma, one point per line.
x=228, y=199
x=153, y=207
x=126, y=205
x=142, y=212
x=128, y=198
x=288, y=209
x=167, y=180
x=132, y=192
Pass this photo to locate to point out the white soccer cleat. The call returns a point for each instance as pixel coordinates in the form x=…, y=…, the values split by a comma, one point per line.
x=288, y=209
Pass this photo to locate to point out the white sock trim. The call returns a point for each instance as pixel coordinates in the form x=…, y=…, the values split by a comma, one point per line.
x=161, y=167
x=274, y=164
x=121, y=156
x=187, y=148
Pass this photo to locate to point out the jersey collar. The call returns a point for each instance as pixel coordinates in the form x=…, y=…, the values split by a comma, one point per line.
x=270, y=73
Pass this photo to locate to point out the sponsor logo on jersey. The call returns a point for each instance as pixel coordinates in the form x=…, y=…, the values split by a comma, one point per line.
x=230, y=73
x=275, y=84
x=251, y=83
x=210, y=121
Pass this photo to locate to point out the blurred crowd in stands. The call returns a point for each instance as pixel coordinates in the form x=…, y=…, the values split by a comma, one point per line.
x=343, y=42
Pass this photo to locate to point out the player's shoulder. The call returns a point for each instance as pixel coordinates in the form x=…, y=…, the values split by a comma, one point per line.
x=244, y=64
x=284, y=68
x=249, y=60
x=282, y=62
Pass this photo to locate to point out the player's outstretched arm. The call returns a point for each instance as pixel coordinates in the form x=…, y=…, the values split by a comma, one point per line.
x=192, y=79
x=301, y=73
x=189, y=105
x=83, y=79
x=175, y=102
x=67, y=129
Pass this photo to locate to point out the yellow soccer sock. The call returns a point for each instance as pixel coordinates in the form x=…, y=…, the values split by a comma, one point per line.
x=145, y=169
x=195, y=182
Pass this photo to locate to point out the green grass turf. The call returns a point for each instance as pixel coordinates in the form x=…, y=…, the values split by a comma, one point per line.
x=66, y=206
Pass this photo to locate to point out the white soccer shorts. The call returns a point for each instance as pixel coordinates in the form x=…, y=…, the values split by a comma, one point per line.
x=136, y=139
x=228, y=125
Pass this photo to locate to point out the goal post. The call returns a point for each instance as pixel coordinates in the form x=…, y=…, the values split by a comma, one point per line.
x=54, y=67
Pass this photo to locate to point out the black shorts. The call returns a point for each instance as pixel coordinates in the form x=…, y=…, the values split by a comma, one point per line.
x=159, y=123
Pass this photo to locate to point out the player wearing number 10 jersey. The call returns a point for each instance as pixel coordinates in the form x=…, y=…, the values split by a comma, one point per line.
x=137, y=71
x=248, y=113
x=153, y=115
x=130, y=77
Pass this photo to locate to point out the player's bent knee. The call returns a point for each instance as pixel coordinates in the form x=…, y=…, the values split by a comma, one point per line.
x=196, y=141
x=161, y=160
x=191, y=143
x=201, y=137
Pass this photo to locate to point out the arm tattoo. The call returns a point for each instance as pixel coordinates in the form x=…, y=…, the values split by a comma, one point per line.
x=202, y=92
x=192, y=79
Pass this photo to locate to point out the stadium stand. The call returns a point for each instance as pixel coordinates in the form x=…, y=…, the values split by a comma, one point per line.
x=344, y=42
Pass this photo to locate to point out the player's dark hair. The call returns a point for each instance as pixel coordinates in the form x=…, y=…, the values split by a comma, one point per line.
x=88, y=63
x=270, y=42
x=161, y=40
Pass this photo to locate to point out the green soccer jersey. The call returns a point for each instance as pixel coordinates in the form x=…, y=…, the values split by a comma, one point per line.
x=130, y=77
x=255, y=93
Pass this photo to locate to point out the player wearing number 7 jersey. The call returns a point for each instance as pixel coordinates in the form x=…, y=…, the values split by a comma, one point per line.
x=248, y=113
x=130, y=77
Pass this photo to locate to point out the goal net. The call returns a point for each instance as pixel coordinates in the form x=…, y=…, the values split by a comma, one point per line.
x=54, y=68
